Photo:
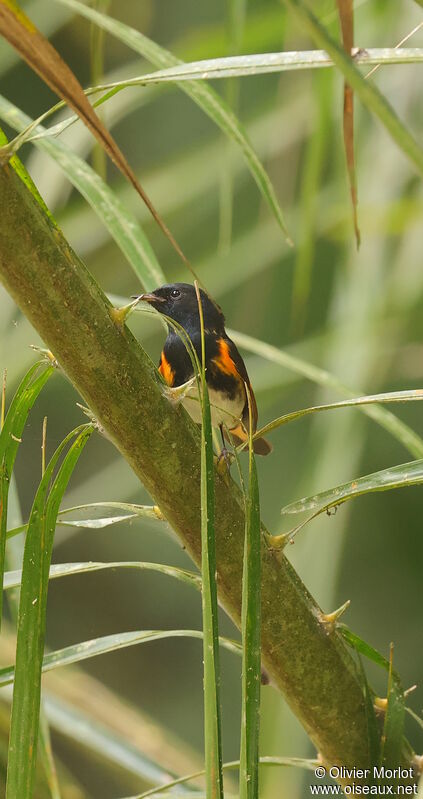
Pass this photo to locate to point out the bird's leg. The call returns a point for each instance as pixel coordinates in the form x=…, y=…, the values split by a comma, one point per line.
x=225, y=457
x=177, y=394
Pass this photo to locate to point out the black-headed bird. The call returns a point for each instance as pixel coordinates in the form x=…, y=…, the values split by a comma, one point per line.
x=226, y=374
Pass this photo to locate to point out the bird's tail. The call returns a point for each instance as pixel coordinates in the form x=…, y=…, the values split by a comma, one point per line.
x=261, y=446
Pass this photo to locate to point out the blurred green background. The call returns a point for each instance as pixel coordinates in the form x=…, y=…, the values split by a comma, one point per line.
x=356, y=314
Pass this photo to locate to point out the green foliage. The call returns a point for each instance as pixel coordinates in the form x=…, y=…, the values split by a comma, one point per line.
x=32, y=618
x=251, y=634
x=212, y=722
x=406, y=474
x=205, y=97
x=10, y=437
x=359, y=316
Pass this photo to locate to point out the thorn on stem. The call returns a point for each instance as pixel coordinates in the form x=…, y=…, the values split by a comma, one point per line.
x=120, y=315
x=380, y=704
x=94, y=421
x=278, y=541
x=331, y=619
x=47, y=355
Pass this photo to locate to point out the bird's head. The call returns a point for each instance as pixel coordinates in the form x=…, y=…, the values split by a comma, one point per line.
x=179, y=302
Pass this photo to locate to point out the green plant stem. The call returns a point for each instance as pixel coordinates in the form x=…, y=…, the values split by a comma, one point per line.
x=118, y=381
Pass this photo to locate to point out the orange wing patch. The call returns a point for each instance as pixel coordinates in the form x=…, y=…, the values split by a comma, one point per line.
x=166, y=370
x=239, y=433
x=224, y=361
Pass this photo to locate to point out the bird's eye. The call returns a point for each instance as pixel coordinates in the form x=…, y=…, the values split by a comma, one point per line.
x=175, y=293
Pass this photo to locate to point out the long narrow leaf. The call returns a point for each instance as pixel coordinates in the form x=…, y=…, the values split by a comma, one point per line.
x=251, y=635
x=390, y=748
x=368, y=93
x=111, y=643
x=120, y=222
x=31, y=620
x=408, y=438
x=44, y=59
x=393, y=727
x=392, y=396
x=212, y=730
x=217, y=68
x=406, y=474
x=10, y=437
x=14, y=556
x=363, y=648
x=12, y=579
x=133, y=511
x=296, y=762
x=202, y=94
x=264, y=64
x=373, y=729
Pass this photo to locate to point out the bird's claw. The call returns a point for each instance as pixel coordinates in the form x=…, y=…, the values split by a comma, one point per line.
x=224, y=460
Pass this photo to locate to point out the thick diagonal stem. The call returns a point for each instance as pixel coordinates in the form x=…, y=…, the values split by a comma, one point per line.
x=120, y=384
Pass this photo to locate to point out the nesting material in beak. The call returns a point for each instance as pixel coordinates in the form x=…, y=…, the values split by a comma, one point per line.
x=152, y=299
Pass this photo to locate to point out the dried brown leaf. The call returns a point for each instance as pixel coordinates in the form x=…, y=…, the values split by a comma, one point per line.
x=346, y=16
x=44, y=59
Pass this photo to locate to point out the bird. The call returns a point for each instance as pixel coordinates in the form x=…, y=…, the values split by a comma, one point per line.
x=225, y=370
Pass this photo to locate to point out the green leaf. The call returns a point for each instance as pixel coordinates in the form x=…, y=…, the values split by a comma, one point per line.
x=406, y=474
x=12, y=579
x=215, y=68
x=133, y=512
x=251, y=635
x=110, y=643
x=363, y=648
x=120, y=222
x=296, y=762
x=10, y=437
x=371, y=399
x=369, y=95
x=31, y=620
x=373, y=732
x=14, y=556
x=393, y=727
x=142, y=511
x=396, y=427
x=212, y=723
x=264, y=64
x=203, y=95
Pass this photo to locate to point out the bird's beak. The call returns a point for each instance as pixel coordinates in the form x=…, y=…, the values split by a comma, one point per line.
x=152, y=299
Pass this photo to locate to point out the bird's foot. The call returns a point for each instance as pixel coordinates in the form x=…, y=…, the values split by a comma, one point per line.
x=223, y=461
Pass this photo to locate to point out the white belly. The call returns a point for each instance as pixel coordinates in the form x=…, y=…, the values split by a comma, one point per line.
x=223, y=410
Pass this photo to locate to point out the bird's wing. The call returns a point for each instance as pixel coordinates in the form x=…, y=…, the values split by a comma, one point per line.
x=242, y=371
